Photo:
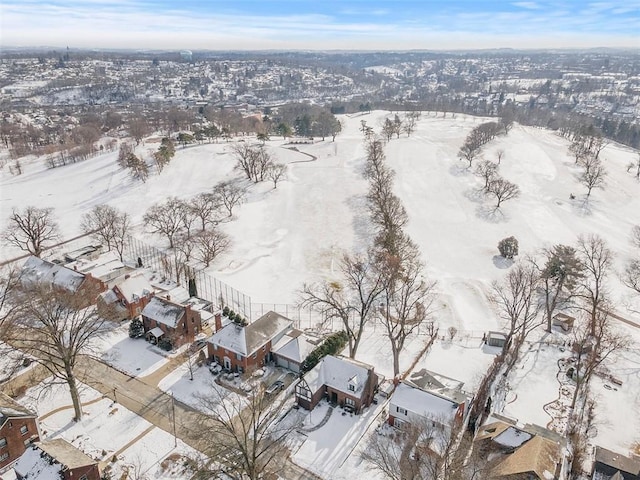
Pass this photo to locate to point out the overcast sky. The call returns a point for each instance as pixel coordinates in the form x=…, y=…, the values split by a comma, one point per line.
x=319, y=24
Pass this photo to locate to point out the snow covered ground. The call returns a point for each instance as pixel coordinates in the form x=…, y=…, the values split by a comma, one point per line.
x=295, y=233
x=105, y=430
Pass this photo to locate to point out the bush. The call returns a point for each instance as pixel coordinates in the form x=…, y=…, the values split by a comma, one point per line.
x=225, y=311
x=332, y=345
x=165, y=344
x=136, y=329
x=508, y=247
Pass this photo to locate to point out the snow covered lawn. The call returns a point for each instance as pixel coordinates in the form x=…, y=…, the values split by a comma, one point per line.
x=189, y=391
x=325, y=450
x=133, y=356
x=104, y=430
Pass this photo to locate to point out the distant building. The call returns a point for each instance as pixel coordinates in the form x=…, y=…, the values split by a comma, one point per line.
x=186, y=55
x=610, y=465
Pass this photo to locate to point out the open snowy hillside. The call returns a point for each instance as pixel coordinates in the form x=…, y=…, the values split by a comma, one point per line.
x=296, y=233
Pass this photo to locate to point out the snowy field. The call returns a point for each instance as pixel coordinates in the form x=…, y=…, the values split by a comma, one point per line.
x=297, y=232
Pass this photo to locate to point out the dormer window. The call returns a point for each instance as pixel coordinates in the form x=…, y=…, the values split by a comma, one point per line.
x=352, y=387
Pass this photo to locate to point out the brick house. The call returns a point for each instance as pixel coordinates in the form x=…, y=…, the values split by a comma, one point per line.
x=18, y=429
x=86, y=286
x=127, y=298
x=342, y=381
x=293, y=348
x=56, y=459
x=607, y=464
x=178, y=323
x=241, y=348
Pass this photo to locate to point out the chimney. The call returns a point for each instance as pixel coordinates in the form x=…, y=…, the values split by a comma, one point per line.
x=168, y=297
x=127, y=276
x=75, y=268
x=218, y=321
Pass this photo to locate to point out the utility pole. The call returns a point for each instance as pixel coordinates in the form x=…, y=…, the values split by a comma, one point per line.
x=173, y=416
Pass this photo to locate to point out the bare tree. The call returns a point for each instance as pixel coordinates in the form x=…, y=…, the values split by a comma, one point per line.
x=107, y=225
x=560, y=278
x=138, y=128
x=352, y=300
x=229, y=193
x=597, y=259
x=244, y=437
x=165, y=218
x=486, y=170
x=55, y=327
x=500, y=155
x=503, y=190
x=277, y=172
x=32, y=229
x=407, y=298
x=594, y=343
x=631, y=275
x=410, y=120
x=253, y=161
x=211, y=243
x=124, y=151
x=594, y=174
x=421, y=449
x=635, y=164
x=516, y=300
x=206, y=207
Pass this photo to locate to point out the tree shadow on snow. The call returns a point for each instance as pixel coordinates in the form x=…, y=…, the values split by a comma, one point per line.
x=362, y=227
x=491, y=214
x=503, y=263
x=581, y=206
x=459, y=170
x=476, y=195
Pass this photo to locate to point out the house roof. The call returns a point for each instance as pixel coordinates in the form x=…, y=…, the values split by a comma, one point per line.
x=9, y=408
x=105, y=267
x=426, y=404
x=34, y=464
x=248, y=339
x=134, y=287
x=338, y=373
x=163, y=311
x=537, y=455
x=36, y=270
x=295, y=346
x=618, y=461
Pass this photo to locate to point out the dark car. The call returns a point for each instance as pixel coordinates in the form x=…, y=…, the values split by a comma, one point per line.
x=275, y=387
x=197, y=345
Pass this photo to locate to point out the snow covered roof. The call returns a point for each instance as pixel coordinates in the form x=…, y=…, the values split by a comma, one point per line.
x=9, y=408
x=156, y=332
x=36, y=270
x=105, y=267
x=34, y=465
x=423, y=403
x=134, y=287
x=338, y=373
x=295, y=346
x=617, y=461
x=163, y=311
x=48, y=459
x=248, y=339
x=512, y=437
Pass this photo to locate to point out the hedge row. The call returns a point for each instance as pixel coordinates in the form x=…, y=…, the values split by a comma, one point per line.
x=332, y=345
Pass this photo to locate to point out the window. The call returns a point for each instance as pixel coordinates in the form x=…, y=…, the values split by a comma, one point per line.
x=83, y=477
x=3, y=442
x=352, y=387
x=349, y=401
x=27, y=442
x=238, y=357
x=255, y=355
x=24, y=429
x=4, y=456
x=402, y=411
x=137, y=310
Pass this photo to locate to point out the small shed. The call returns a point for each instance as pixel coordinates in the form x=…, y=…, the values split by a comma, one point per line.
x=154, y=335
x=564, y=321
x=496, y=339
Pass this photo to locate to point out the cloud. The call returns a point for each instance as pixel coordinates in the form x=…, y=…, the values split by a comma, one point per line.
x=152, y=24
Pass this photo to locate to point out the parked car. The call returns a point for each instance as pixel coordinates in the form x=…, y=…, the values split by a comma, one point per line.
x=215, y=369
x=197, y=345
x=275, y=387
